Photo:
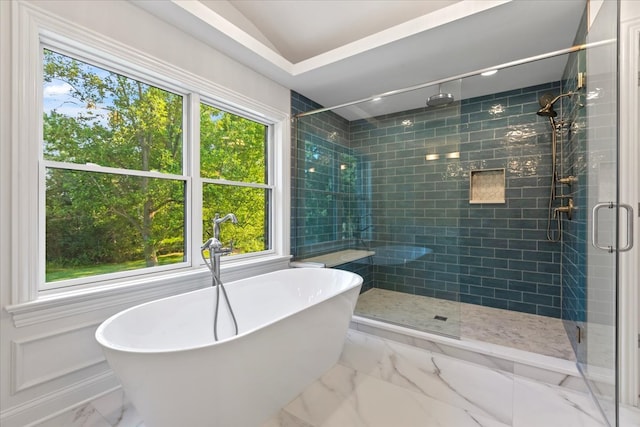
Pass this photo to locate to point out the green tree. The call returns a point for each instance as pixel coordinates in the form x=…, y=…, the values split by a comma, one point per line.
x=121, y=123
x=233, y=148
x=116, y=216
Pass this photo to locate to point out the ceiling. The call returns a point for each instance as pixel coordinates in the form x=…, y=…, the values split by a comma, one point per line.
x=338, y=51
x=287, y=26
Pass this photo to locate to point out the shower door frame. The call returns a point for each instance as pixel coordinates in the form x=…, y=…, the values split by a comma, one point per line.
x=599, y=339
x=629, y=174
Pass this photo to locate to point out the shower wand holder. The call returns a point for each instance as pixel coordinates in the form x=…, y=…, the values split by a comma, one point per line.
x=569, y=180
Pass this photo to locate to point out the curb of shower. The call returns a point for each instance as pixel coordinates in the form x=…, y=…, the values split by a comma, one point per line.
x=546, y=369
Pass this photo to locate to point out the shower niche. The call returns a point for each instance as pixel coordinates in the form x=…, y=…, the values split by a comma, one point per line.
x=487, y=186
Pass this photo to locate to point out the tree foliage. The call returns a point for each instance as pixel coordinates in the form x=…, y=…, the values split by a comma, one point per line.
x=114, y=121
x=233, y=148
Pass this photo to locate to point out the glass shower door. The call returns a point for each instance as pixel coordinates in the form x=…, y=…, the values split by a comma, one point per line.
x=597, y=334
x=412, y=206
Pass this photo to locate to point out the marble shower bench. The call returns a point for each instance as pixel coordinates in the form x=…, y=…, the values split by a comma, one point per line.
x=333, y=259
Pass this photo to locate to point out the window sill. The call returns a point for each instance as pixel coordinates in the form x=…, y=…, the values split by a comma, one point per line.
x=131, y=292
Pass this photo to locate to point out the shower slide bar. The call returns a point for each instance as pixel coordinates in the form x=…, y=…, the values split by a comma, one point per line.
x=534, y=58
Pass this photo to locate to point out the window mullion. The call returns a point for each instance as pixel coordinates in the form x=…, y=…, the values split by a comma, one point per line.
x=192, y=141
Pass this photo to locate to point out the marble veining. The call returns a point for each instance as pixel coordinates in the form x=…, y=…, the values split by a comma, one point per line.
x=351, y=398
x=431, y=374
x=110, y=410
x=537, y=404
x=380, y=383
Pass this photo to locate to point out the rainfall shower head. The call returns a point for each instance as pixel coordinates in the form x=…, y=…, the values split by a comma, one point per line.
x=546, y=102
x=440, y=99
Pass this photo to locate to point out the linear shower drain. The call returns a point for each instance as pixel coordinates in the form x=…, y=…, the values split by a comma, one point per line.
x=444, y=319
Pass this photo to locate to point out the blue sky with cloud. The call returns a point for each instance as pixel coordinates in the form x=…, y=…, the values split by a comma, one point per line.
x=57, y=95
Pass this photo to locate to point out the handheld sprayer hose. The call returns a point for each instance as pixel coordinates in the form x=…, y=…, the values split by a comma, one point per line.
x=217, y=283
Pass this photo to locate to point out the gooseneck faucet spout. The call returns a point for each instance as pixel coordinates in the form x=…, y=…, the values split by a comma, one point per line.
x=217, y=221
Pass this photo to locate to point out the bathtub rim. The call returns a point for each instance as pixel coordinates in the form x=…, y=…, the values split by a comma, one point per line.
x=357, y=282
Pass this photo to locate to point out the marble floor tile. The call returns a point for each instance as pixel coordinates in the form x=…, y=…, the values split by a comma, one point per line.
x=118, y=410
x=434, y=375
x=629, y=417
x=383, y=383
x=84, y=416
x=537, y=404
x=345, y=397
x=286, y=419
x=537, y=334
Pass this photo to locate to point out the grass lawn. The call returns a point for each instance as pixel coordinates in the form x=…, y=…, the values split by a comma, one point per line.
x=56, y=273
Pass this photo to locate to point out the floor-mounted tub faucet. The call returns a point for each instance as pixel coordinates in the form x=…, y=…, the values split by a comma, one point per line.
x=216, y=250
x=214, y=245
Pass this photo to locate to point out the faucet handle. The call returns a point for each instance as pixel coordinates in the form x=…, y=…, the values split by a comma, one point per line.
x=225, y=251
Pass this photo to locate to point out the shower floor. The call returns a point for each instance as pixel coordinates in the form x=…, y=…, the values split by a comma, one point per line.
x=523, y=331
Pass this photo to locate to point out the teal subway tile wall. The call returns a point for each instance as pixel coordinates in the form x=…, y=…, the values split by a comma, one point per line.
x=410, y=186
x=325, y=177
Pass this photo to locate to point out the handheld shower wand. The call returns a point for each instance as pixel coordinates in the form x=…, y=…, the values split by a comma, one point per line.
x=546, y=102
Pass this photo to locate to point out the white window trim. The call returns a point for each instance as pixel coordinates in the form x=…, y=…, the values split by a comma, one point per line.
x=28, y=304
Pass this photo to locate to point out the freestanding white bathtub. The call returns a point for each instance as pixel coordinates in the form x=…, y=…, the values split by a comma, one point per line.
x=292, y=324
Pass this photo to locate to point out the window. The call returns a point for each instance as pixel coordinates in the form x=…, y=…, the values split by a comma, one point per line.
x=233, y=167
x=118, y=183
x=114, y=184
x=47, y=185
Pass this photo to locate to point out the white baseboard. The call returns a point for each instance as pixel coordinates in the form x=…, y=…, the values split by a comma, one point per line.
x=62, y=400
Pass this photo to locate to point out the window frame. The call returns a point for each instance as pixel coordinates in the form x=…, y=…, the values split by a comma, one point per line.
x=34, y=30
x=270, y=176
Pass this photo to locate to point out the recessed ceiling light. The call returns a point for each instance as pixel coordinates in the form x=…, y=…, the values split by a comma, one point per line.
x=489, y=73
